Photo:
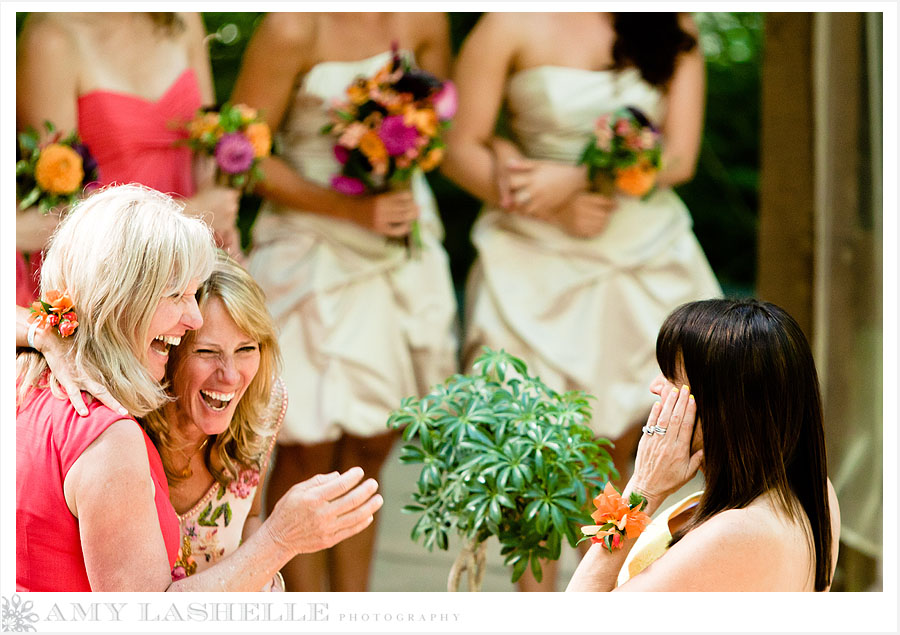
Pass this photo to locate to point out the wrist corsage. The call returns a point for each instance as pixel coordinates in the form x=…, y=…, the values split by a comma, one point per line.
x=617, y=520
x=55, y=310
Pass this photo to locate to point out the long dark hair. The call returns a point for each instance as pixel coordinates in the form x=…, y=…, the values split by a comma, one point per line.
x=759, y=410
x=651, y=42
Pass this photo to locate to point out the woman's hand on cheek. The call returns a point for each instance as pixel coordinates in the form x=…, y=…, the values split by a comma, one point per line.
x=664, y=461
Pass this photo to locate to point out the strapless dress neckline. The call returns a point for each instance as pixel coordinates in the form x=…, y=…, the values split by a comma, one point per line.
x=187, y=75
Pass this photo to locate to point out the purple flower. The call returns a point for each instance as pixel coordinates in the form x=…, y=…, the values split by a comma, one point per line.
x=234, y=153
x=88, y=162
x=347, y=185
x=341, y=154
x=445, y=101
x=397, y=136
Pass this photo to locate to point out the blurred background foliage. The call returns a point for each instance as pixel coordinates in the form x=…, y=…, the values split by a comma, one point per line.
x=722, y=197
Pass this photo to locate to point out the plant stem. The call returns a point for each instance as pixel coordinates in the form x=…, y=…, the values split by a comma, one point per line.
x=472, y=560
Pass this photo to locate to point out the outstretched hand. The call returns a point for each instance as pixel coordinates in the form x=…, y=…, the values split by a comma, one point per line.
x=664, y=461
x=324, y=510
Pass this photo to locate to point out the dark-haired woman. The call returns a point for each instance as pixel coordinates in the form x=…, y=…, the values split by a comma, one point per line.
x=739, y=399
x=575, y=282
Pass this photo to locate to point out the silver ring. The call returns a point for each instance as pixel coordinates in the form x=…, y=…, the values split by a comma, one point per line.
x=659, y=430
x=648, y=430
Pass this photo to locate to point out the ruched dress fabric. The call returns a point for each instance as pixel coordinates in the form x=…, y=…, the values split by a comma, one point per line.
x=135, y=140
x=213, y=528
x=362, y=324
x=583, y=313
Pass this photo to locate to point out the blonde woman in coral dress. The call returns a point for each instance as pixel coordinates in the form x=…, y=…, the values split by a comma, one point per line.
x=362, y=325
x=574, y=282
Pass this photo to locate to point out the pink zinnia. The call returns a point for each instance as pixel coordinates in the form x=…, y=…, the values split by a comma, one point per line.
x=341, y=154
x=445, y=101
x=347, y=185
x=397, y=136
x=234, y=153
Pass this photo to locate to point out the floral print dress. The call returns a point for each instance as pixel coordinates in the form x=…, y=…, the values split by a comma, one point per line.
x=212, y=528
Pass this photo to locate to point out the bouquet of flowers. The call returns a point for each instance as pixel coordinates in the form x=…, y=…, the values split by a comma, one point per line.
x=54, y=173
x=389, y=125
x=236, y=137
x=624, y=154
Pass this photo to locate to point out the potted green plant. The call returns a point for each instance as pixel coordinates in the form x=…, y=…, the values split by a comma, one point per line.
x=502, y=455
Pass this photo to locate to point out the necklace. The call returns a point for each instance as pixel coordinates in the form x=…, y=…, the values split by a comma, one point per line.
x=186, y=472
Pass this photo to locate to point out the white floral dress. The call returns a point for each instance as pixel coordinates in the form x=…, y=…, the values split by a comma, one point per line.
x=212, y=528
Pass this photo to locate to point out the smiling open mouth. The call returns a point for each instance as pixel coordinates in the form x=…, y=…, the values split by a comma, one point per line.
x=217, y=400
x=163, y=343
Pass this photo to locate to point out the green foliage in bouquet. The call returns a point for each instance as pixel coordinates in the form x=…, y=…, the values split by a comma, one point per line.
x=502, y=455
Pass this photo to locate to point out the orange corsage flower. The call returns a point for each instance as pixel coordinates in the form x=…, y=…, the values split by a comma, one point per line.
x=59, y=169
x=55, y=311
x=208, y=123
x=637, y=179
x=616, y=519
x=260, y=138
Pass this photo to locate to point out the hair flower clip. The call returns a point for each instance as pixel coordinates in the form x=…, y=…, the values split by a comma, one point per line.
x=54, y=310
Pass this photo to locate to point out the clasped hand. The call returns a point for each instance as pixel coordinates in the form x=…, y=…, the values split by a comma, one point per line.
x=390, y=214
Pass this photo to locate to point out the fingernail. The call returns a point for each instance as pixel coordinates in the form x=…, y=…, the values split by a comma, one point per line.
x=685, y=387
x=674, y=390
x=82, y=412
x=123, y=412
x=692, y=397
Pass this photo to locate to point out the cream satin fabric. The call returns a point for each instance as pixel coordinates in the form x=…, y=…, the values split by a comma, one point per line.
x=654, y=541
x=583, y=313
x=361, y=325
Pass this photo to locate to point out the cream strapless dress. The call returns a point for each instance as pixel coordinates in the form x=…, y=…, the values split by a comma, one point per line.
x=583, y=313
x=361, y=325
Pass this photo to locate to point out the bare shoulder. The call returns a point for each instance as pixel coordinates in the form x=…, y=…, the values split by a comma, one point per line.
x=47, y=35
x=733, y=551
x=686, y=21
x=292, y=30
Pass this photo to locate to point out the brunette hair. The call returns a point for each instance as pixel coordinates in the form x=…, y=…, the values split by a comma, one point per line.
x=651, y=42
x=245, y=442
x=759, y=410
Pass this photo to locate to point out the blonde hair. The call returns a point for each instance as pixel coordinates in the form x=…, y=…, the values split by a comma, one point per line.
x=117, y=254
x=244, y=443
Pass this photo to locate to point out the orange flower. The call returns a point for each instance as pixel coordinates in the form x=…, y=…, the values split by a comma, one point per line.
x=260, y=138
x=59, y=302
x=432, y=159
x=637, y=179
x=247, y=113
x=208, y=123
x=373, y=147
x=425, y=120
x=59, y=169
x=612, y=508
x=358, y=91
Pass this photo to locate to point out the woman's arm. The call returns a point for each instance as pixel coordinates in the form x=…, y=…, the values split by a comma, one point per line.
x=55, y=350
x=682, y=128
x=276, y=55
x=663, y=464
x=109, y=491
x=480, y=74
x=433, y=42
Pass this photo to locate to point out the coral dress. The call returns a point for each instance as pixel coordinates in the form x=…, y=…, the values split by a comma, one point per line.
x=583, y=313
x=50, y=436
x=362, y=324
x=133, y=140
x=213, y=527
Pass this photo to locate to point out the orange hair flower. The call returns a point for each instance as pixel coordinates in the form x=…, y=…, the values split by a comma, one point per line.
x=59, y=169
x=55, y=310
x=637, y=179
